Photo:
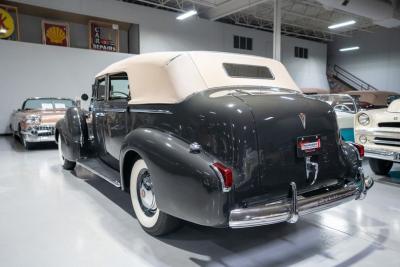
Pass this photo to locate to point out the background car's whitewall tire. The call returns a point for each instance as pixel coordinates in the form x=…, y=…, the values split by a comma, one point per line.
x=66, y=164
x=152, y=220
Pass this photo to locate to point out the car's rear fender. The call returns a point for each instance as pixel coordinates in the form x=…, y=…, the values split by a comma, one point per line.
x=185, y=185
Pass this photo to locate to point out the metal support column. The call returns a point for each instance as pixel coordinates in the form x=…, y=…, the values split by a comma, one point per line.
x=277, y=31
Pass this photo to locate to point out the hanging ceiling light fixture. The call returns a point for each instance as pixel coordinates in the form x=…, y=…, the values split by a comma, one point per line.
x=186, y=15
x=349, y=48
x=342, y=24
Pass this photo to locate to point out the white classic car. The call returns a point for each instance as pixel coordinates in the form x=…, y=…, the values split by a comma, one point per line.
x=379, y=132
x=345, y=109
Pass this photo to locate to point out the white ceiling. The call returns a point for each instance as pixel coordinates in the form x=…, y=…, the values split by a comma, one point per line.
x=301, y=18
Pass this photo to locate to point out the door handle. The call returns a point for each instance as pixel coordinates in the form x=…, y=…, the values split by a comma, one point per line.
x=100, y=114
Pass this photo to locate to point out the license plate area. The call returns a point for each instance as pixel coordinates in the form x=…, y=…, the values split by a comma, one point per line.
x=308, y=146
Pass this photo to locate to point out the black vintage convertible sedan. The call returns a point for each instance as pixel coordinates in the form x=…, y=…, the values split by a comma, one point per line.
x=217, y=139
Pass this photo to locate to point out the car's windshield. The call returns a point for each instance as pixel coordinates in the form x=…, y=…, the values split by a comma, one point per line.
x=392, y=98
x=339, y=102
x=48, y=103
x=252, y=91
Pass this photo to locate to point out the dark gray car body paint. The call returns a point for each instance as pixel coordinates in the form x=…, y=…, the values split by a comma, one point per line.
x=254, y=135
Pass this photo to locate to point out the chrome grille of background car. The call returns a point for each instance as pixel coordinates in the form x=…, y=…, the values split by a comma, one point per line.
x=45, y=130
x=389, y=124
x=387, y=141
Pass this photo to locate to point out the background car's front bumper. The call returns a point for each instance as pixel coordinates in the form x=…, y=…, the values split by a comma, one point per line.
x=39, y=133
x=288, y=210
x=382, y=154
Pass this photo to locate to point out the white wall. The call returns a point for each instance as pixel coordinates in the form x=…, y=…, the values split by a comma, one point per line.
x=308, y=73
x=378, y=60
x=29, y=70
x=159, y=31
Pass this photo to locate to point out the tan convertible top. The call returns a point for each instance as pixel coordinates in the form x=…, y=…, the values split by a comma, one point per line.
x=169, y=77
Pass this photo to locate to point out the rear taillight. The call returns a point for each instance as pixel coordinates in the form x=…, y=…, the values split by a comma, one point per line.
x=224, y=174
x=360, y=148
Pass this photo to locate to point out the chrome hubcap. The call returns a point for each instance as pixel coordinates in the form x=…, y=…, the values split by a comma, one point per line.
x=146, y=195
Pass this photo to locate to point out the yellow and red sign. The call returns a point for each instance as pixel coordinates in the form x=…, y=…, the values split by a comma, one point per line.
x=55, y=33
x=7, y=25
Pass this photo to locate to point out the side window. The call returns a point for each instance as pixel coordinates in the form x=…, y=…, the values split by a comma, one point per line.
x=101, y=90
x=119, y=86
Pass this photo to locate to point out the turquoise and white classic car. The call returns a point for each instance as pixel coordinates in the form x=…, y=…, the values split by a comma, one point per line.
x=345, y=109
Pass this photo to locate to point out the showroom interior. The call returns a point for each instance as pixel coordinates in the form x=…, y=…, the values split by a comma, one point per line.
x=256, y=133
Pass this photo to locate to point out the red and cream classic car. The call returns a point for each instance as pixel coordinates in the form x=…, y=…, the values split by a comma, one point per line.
x=35, y=121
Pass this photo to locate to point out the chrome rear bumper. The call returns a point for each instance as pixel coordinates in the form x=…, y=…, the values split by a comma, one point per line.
x=289, y=210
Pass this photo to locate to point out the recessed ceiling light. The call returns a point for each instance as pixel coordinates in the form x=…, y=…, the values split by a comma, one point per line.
x=349, y=48
x=186, y=15
x=342, y=24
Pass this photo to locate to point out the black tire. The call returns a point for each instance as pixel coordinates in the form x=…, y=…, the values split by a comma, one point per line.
x=380, y=167
x=153, y=221
x=66, y=164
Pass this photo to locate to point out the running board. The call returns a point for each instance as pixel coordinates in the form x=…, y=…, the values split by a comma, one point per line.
x=101, y=169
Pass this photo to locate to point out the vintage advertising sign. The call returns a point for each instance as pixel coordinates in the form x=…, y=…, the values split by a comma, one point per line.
x=55, y=33
x=9, y=23
x=103, y=36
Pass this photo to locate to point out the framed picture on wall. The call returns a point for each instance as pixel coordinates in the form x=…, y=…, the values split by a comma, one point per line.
x=9, y=23
x=55, y=33
x=103, y=36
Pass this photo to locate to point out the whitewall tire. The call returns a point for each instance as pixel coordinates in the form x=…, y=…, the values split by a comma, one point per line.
x=152, y=220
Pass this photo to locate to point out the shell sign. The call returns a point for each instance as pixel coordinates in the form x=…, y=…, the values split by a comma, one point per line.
x=55, y=33
x=7, y=25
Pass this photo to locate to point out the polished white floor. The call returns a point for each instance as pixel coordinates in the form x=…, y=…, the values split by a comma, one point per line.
x=52, y=217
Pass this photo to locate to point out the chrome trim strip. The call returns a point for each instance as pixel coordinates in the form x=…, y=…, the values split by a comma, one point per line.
x=161, y=111
x=384, y=142
x=117, y=184
x=285, y=210
x=376, y=131
x=118, y=110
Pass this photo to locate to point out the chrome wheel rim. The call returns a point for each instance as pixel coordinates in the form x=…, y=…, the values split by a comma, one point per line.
x=145, y=193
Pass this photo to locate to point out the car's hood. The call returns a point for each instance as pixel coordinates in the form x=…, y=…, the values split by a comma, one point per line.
x=394, y=107
x=46, y=116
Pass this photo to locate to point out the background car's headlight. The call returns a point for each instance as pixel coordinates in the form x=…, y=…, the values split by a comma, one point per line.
x=363, y=119
x=33, y=119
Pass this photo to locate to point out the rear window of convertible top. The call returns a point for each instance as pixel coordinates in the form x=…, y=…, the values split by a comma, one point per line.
x=248, y=71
